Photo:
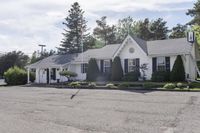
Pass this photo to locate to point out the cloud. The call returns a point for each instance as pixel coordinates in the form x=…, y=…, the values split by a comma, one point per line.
x=26, y=23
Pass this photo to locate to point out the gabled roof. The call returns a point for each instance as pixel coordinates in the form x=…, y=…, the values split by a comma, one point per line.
x=168, y=47
x=141, y=43
x=53, y=61
x=105, y=52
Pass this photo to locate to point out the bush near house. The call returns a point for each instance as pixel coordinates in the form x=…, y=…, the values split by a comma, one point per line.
x=117, y=71
x=68, y=74
x=132, y=76
x=169, y=86
x=15, y=76
x=178, y=71
x=160, y=76
x=93, y=70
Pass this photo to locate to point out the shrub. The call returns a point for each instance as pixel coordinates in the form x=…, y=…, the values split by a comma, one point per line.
x=151, y=85
x=117, y=71
x=160, y=76
x=15, y=76
x=169, y=86
x=124, y=85
x=68, y=74
x=92, y=85
x=74, y=84
x=178, y=71
x=132, y=76
x=194, y=85
x=93, y=70
x=111, y=86
x=180, y=85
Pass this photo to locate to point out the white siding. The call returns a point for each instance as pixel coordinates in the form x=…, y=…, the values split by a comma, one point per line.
x=138, y=53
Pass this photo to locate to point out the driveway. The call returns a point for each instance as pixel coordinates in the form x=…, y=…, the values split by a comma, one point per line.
x=49, y=110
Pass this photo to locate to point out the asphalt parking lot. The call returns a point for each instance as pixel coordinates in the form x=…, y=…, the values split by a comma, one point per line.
x=49, y=110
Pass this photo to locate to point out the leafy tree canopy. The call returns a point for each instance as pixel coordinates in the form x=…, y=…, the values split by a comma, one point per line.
x=11, y=59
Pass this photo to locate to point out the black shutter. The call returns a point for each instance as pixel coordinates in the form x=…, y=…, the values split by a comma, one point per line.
x=138, y=64
x=154, y=64
x=126, y=65
x=167, y=63
x=101, y=65
x=54, y=73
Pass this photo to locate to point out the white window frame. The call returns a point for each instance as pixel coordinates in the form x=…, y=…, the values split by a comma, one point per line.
x=161, y=63
x=131, y=65
x=106, y=66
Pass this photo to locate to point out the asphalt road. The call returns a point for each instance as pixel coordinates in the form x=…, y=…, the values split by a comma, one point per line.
x=49, y=110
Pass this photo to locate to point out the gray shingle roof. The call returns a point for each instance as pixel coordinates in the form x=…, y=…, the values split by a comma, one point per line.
x=168, y=47
x=53, y=61
x=105, y=52
x=141, y=43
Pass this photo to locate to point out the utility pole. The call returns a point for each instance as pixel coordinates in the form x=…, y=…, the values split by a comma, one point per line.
x=42, y=48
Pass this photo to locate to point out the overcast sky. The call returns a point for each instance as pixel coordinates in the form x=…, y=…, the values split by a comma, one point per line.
x=26, y=23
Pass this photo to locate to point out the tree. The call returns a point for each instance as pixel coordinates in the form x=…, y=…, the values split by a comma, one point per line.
x=75, y=31
x=178, y=71
x=117, y=71
x=195, y=13
x=179, y=31
x=11, y=59
x=143, y=29
x=93, y=70
x=105, y=32
x=35, y=58
x=159, y=29
x=124, y=27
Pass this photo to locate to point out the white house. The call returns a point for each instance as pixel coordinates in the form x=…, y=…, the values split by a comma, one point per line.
x=159, y=55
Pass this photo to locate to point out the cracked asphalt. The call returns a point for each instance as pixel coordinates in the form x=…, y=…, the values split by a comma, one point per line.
x=49, y=110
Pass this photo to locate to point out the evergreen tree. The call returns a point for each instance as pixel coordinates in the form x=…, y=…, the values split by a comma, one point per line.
x=93, y=70
x=143, y=29
x=178, y=71
x=117, y=71
x=104, y=32
x=195, y=13
x=75, y=31
x=159, y=29
x=179, y=31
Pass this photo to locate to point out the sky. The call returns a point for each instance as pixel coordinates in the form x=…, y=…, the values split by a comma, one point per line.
x=26, y=23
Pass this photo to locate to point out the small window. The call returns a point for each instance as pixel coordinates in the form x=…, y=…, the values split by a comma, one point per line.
x=161, y=64
x=107, y=66
x=131, y=65
x=84, y=68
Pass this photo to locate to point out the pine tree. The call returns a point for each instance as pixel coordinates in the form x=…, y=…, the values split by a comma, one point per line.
x=178, y=71
x=195, y=13
x=93, y=70
x=117, y=71
x=179, y=31
x=104, y=32
x=75, y=31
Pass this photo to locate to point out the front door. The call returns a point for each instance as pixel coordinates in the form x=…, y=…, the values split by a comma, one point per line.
x=47, y=76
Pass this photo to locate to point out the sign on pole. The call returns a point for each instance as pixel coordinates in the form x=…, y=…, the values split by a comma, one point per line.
x=190, y=37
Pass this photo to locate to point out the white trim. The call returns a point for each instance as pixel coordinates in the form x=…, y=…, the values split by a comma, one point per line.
x=123, y=45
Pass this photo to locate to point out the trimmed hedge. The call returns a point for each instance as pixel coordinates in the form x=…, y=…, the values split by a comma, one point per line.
x=132, y=76
x=93, y=70
x=117, y=71
x=178, y=71
x=160, y=76
x=15, y=76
